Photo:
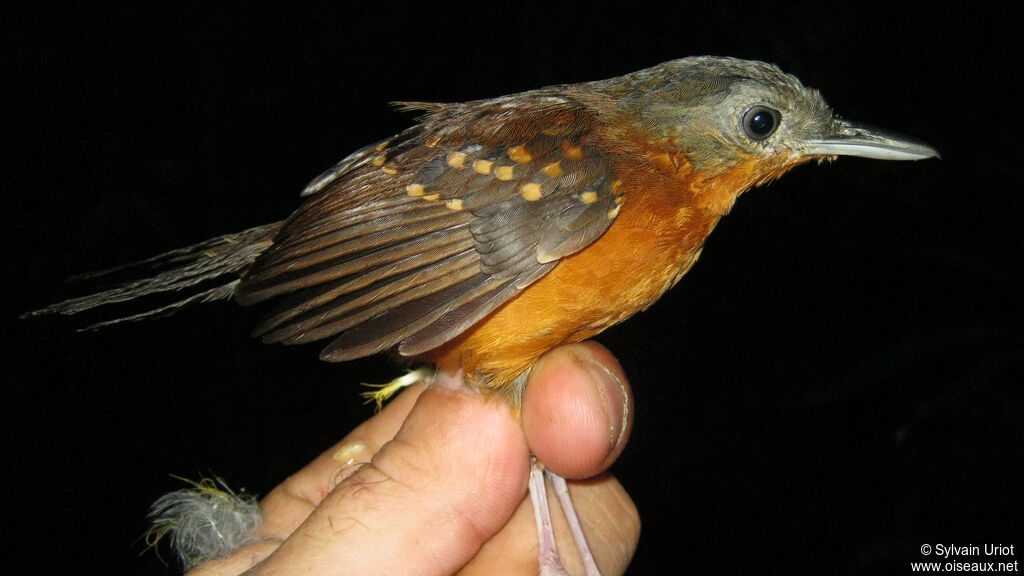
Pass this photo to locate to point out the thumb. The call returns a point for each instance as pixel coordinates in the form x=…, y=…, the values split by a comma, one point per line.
x=577, y=410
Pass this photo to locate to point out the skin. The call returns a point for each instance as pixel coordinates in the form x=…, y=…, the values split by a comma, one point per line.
x=442, y=484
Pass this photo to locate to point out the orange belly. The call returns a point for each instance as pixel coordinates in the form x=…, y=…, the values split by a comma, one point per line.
x=667, y=213
x=623, y=272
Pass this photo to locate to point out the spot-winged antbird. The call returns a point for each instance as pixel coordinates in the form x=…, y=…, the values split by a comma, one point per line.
x=495, y=230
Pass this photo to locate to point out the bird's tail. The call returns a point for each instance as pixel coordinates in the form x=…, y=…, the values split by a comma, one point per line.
x=188, y=269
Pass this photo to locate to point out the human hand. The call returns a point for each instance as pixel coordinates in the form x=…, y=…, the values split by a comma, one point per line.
x=436, y=482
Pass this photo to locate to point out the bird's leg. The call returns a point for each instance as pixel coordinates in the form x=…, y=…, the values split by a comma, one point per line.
x=550, y=564
x=565, y=500
x=447, y=381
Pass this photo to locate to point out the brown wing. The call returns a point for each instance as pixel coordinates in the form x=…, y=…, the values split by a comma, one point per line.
x=411, y=241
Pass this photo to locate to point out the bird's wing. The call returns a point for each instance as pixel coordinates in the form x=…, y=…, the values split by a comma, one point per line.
x=411, y=241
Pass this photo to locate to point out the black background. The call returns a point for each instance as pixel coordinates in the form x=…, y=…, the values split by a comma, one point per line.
x=836, y=383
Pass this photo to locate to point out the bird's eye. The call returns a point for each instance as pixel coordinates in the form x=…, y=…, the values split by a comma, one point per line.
x=760, y=122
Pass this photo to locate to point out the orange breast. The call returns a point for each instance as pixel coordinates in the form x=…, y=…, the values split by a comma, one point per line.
x=657, y=236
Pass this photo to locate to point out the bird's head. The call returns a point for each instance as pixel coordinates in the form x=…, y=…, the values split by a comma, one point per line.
x=723, y=114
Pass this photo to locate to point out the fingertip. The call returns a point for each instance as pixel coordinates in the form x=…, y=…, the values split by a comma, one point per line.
x=577, y=410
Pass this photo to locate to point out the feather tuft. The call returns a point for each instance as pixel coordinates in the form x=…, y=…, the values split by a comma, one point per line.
x=205, y=521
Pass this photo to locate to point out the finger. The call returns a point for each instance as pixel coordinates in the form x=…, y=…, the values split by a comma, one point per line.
x=238, y=561
x=610, y=521
x=450, y=479
x=288, y=505
x=291, y=502
x=577, y=410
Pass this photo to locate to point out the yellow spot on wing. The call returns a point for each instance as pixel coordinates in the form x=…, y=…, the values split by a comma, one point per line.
x=589, y=197
x=503, y=173
x=379, y=161
x=454, y=204
x=432, y=197
x=415, y=190
x=382, y=146
x=530, y=191
x=614, y=212
x=482, y=166
x=519, y=154
x=389, y=170
x=571, y=152
x=553, y=170
x=456, y=159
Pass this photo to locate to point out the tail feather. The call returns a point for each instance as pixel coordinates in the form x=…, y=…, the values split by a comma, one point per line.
x=176, y=271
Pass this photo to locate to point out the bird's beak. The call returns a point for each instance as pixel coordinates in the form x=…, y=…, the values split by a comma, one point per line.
x=859, y=140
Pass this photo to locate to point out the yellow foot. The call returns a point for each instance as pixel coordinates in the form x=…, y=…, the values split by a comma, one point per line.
x=381, y=392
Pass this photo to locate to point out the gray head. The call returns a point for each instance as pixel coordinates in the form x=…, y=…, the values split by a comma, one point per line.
x=720, y=112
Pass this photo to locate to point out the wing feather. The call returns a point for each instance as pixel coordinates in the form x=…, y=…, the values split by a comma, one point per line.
x=411, y=241
x=344, y=245
x=392, y=326
x=373, y=301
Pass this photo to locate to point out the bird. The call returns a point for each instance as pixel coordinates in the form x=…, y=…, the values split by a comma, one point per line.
x=494, y=230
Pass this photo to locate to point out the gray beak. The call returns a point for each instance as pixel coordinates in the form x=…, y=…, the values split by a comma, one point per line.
x=867, y=142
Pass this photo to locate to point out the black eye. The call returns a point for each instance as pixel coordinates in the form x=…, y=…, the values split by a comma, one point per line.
x=759, y=122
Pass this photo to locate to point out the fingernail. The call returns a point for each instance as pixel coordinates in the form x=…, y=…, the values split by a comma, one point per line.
x=613, y=395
